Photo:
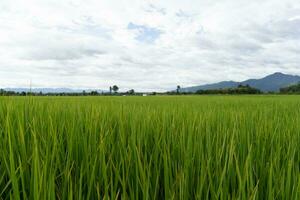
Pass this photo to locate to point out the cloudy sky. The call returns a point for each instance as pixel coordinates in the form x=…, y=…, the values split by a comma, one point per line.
x=145, y=45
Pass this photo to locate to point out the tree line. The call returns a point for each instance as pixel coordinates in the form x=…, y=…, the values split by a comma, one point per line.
x=114, y=90
x=240, y=89
x=292, y=89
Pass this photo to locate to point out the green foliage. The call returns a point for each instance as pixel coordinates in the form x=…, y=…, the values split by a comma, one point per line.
x=178, y=89
x=293, y=89
x=115, y=88
x=241, y=89
x=131, y=92
x=158, y=147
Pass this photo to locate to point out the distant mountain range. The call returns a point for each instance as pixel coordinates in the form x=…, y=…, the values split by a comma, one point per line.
x=50, y=90
x=271, y=83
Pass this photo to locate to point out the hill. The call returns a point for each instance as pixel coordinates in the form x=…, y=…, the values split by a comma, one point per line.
x=270, y=83
x=293, y=89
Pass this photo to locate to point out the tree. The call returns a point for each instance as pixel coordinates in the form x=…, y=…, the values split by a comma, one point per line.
x=94, y=93
x=292, y=89
x=239, y=90
x=110, y=89
x=115, y=88
x=178, y=89
x=131, y=91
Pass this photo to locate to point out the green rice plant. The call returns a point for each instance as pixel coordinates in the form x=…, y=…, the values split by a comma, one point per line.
x=155, y=147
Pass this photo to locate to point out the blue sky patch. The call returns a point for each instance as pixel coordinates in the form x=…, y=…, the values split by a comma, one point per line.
x=145, y=34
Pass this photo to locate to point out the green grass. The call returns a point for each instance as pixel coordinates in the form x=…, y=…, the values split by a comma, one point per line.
x=192, y=147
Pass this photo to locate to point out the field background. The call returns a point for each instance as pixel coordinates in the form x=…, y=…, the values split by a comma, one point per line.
x=172, y=147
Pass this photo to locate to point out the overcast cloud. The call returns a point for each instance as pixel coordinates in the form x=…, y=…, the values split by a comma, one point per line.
x=145, y=45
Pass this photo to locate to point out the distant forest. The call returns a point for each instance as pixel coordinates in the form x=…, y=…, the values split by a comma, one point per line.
x=114, y=91
x=241, y=89
x=293, y=89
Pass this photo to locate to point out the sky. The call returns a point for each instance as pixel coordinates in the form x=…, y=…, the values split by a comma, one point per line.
x=146, y=45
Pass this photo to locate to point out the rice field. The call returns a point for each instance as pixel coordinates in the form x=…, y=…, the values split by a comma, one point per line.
x=156, y=147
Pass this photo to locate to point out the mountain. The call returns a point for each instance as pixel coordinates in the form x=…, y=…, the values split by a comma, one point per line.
x=270, y=83
x=50, y=90
x=223, y=84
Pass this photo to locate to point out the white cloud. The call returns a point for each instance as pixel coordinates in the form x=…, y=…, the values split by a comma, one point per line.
x=88, y=43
